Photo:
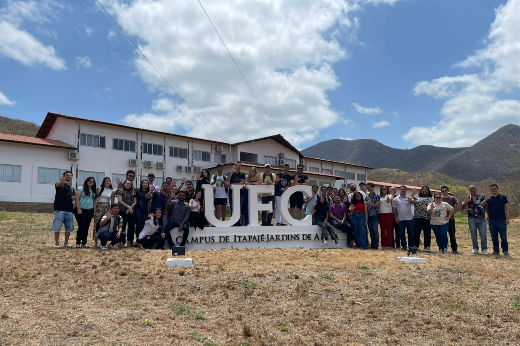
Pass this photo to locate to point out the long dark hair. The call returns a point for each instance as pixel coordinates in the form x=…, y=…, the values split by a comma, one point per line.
x=141, y=187
x=123, y=188
x=429, y=194
x=160, y=220
x=202, y=174
x=319, y=200
x=381, y=191
x=355, y=200
x=86, y=190
x=103, y=185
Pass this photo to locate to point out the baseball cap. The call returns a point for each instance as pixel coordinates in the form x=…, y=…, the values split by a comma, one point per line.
x=267, y=165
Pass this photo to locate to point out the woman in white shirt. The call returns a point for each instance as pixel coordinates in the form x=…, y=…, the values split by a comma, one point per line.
x=386, y=217
x=150, y=237
x=105, y=198
x=196, y=205
x=440, y=213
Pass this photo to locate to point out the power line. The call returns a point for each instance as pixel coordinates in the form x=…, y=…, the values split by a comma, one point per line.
x=157, y=61
x=239, y=70
x=144, y=56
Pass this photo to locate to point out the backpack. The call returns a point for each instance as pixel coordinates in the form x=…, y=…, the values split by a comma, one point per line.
x=262, y=176
x=214, y=178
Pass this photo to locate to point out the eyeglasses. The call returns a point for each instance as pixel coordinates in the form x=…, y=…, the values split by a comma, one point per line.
x=444, y=190
x=131, y=176
x=436, y=197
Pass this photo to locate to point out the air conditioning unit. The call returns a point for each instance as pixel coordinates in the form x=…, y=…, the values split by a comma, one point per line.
x=189, y=169
x=281, y=156
x=281, y=162
x=132, y=162
x=179, y=168
x=160, y=165
x=148, y=164
x=73, y=155
x=219, y=149
x=197, y=169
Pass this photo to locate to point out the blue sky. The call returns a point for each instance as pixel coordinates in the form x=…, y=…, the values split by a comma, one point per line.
x=404, y=72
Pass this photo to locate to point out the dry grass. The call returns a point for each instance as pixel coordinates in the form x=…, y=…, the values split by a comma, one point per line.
x=250, y=297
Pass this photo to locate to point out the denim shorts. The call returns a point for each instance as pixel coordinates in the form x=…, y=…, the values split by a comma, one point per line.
x=63, y=217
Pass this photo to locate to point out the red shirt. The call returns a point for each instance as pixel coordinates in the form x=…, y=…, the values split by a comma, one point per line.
x=359, y=207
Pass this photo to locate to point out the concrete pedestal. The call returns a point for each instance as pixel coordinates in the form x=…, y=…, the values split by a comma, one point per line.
x=412, y=260
x=179, y=262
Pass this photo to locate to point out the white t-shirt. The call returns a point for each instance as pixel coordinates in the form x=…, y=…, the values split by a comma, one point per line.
x=385, y=207
x=105, y=197
x=403, y=207
x=149, y=228
x=440, y=211
x=220, y=186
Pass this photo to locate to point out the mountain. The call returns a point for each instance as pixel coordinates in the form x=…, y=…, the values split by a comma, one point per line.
x=493, y=157
x=396, y=176
x=18, y=127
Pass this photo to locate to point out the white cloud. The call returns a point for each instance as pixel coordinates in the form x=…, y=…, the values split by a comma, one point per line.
x=378, y=2
x=4, y=100
x=285, y=50
x=83, y=62
x=18, y=44
x=475, y=103
x=365, y=110
x=111, y=35
x=346, y=138
x=88, y=31
x=382, y=123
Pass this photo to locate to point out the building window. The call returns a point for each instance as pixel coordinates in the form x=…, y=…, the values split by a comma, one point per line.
x=49, y=175
x=350, y=176
x=201, y=156
x=361, y=177
x=220, y=158
x=340, y=173
x=92, y=141
x=152, y=149
x=291, y=163
x=271, y=160
x=11, y=173
x=98, y=176
x=314, y=169
x=326, y=171
x=124, y=145
x=181, y=153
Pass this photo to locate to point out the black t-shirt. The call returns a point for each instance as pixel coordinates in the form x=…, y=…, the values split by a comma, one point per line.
x=62, y=200
x=285, y=179
x=236, y=178
x=142, y=202
x=321, y=212
x=496, y=207
x=299, y=179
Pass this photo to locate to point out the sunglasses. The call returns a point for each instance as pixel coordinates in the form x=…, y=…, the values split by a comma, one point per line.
x=436, y=197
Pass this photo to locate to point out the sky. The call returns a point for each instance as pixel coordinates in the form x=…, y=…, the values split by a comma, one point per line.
x=403, y=72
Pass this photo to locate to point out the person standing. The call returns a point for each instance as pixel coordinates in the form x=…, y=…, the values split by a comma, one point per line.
x=451, y=200
x=179, y=218
x=498, y=213
x=308, y=203
x=141, y=208
x=268, y=178
x=130, y=175
x=220, y=196
x=296, y=199
x=338, y=218
x=476, y=218
x=441, y=213
x=373, y=204
x=353, y=191
x=282, y=183
x=396, y=238
x=127, y=201
x=105, y=198
x=421, y=218
x=86, y=196
x=402, y=207
x=196, y=206
x=251, y=179
x=359, y=219
x=237, y=178
x=111, y=228
x=63, y=209
x=159, y=197
x=151, y=179
x=203, y=179
x=386, y=217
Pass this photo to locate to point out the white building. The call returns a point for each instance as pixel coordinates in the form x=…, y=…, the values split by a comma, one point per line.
x=29, y=167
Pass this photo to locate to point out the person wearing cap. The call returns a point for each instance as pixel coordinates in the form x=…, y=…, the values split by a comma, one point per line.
x=267, y=178
x=282, y=183
x=151, y=178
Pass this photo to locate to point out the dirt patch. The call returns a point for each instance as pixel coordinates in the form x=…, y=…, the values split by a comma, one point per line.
x=251, y=297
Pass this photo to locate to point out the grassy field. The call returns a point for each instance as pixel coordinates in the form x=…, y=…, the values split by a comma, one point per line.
x=251, y=297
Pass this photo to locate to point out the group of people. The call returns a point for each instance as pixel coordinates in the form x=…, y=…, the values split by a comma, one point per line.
x=145, y=216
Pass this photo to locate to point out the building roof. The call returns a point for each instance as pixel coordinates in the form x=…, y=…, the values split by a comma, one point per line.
x=337, y=177
x=277, y=138
x=340, y=162
x=418, y=188
x=34, y=141
x=51, y=117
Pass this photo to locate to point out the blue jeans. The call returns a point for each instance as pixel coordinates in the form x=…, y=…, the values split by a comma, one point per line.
x=105, y=236
x=497, y=227
x=441, y=235
x=373, y=224
x=479, y=223
x=345, y=228
x=185, y=232
x=63, y=217
x=360, y=229
x=409, y=228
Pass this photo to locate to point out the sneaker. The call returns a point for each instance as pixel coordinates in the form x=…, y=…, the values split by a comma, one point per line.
x=324, y=241
x=475, y=251
x=336, y=241
x=445, y=251
x=441, y=251
x=484, y=252
x=496, y=254
x=78, y=246
x=427, y=249
x=140, y=246
x=506, y=254
x=113, y=247
x=104, y=247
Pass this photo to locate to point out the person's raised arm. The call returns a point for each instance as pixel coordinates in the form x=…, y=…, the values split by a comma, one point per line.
x=191, y=205
x=486, y=198
x=313, y=208
x=430, y=208
x=149, y=194
x=105, y=219
x=61, y=182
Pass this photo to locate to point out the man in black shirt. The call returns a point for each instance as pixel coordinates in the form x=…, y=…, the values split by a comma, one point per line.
x=63, y=210
x=238, y=178
x=296, y=199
